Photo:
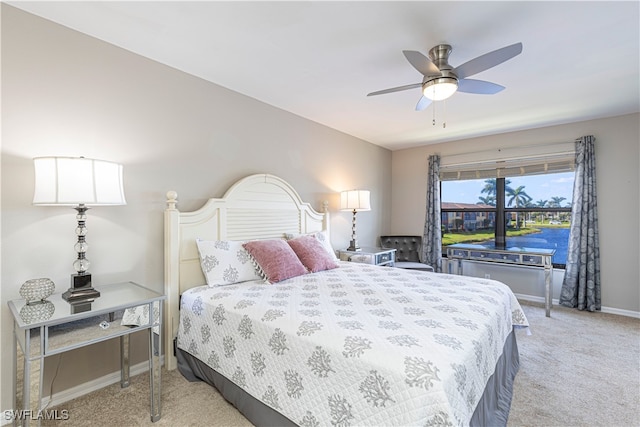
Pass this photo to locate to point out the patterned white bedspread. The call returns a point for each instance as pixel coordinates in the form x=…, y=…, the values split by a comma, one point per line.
x=357, y=345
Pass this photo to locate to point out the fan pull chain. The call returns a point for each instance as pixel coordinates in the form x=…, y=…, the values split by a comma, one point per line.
x=434, y=113
x=444, y=122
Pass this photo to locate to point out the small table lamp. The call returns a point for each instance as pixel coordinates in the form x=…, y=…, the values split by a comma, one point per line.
x=355, y=200
x=78, y=182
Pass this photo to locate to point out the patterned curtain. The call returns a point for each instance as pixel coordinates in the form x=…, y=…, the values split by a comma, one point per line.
x=432, y=239
x=581, y=283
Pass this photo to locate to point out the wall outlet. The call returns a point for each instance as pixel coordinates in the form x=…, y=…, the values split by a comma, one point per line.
x=487, y=276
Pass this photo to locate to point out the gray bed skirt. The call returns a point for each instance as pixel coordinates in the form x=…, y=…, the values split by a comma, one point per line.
x=492, y=410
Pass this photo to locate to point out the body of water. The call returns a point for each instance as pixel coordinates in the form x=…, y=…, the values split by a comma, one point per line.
x=547, y=238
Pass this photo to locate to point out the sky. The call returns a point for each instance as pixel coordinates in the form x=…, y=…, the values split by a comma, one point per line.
x=538, y=187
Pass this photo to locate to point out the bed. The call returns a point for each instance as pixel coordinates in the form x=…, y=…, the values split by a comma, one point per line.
x=349, y=344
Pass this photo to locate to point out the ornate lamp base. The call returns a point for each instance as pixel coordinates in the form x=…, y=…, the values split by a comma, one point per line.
x=80, y=306
x=80, y=289
x=354, y=246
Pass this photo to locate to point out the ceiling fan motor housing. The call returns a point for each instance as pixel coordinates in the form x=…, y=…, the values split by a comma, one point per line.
x=439, y=55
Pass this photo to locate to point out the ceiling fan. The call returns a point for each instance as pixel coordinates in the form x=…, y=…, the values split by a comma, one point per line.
x=440, y=80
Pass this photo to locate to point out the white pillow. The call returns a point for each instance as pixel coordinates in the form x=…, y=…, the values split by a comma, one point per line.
x=322, y=236
x=225, y=262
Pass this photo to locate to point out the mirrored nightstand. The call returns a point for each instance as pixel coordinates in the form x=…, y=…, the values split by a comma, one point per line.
x=55, y=326
x=375, y=256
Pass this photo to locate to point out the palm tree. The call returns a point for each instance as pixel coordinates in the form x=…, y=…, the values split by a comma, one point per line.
x=490, y=186
x=489, y=200
x=529, y=204
x=541, y=204
x=555, y=203
x=518, y=197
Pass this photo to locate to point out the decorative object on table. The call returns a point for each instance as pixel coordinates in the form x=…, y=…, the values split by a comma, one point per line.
x=78, y=182
x=37, y=311
x=356, y=201
x=35, y=290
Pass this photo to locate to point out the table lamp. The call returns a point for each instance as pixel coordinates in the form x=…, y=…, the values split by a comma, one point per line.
x=355, y=200
x=78, y=182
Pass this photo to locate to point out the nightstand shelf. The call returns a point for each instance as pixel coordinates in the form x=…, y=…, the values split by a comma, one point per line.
x=375, y=256
x=56, y=326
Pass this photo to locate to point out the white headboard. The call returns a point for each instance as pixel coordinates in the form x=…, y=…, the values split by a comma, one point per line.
x=256, y=207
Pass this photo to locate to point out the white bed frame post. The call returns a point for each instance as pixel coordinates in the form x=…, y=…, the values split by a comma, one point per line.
x=171, y=275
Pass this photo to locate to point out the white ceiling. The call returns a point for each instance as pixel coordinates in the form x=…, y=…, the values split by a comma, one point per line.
x=319, y=59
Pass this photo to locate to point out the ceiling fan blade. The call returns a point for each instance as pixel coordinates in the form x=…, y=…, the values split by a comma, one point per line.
x=421, y=63
x=488, y=60
x=395, y=89
x=423, y=103
x=478, y=86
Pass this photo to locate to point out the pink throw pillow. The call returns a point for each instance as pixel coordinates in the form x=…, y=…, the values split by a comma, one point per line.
x=276, y=259
x=312, y=253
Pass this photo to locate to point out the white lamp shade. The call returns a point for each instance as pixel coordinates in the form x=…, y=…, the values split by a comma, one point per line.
x=76, y=180
x=357, y=200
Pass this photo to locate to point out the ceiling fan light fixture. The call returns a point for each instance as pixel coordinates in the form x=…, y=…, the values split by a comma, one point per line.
x=440, y=88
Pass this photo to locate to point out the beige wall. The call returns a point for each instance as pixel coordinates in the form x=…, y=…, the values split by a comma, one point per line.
x=64, y=93
x=618, y=179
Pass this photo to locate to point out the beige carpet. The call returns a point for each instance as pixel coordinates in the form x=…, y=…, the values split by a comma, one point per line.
x=577, y=369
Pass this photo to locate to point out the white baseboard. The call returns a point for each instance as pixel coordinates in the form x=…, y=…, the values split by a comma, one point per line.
x=621, y=312
x=88, y=387
x=610, y=310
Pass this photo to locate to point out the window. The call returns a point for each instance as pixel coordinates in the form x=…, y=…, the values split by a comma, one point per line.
x=535, y=209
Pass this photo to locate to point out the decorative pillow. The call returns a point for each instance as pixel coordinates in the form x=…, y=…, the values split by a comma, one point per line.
x=312, y=253
x=322, y=237
x=225, y=262
x=276, y=259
